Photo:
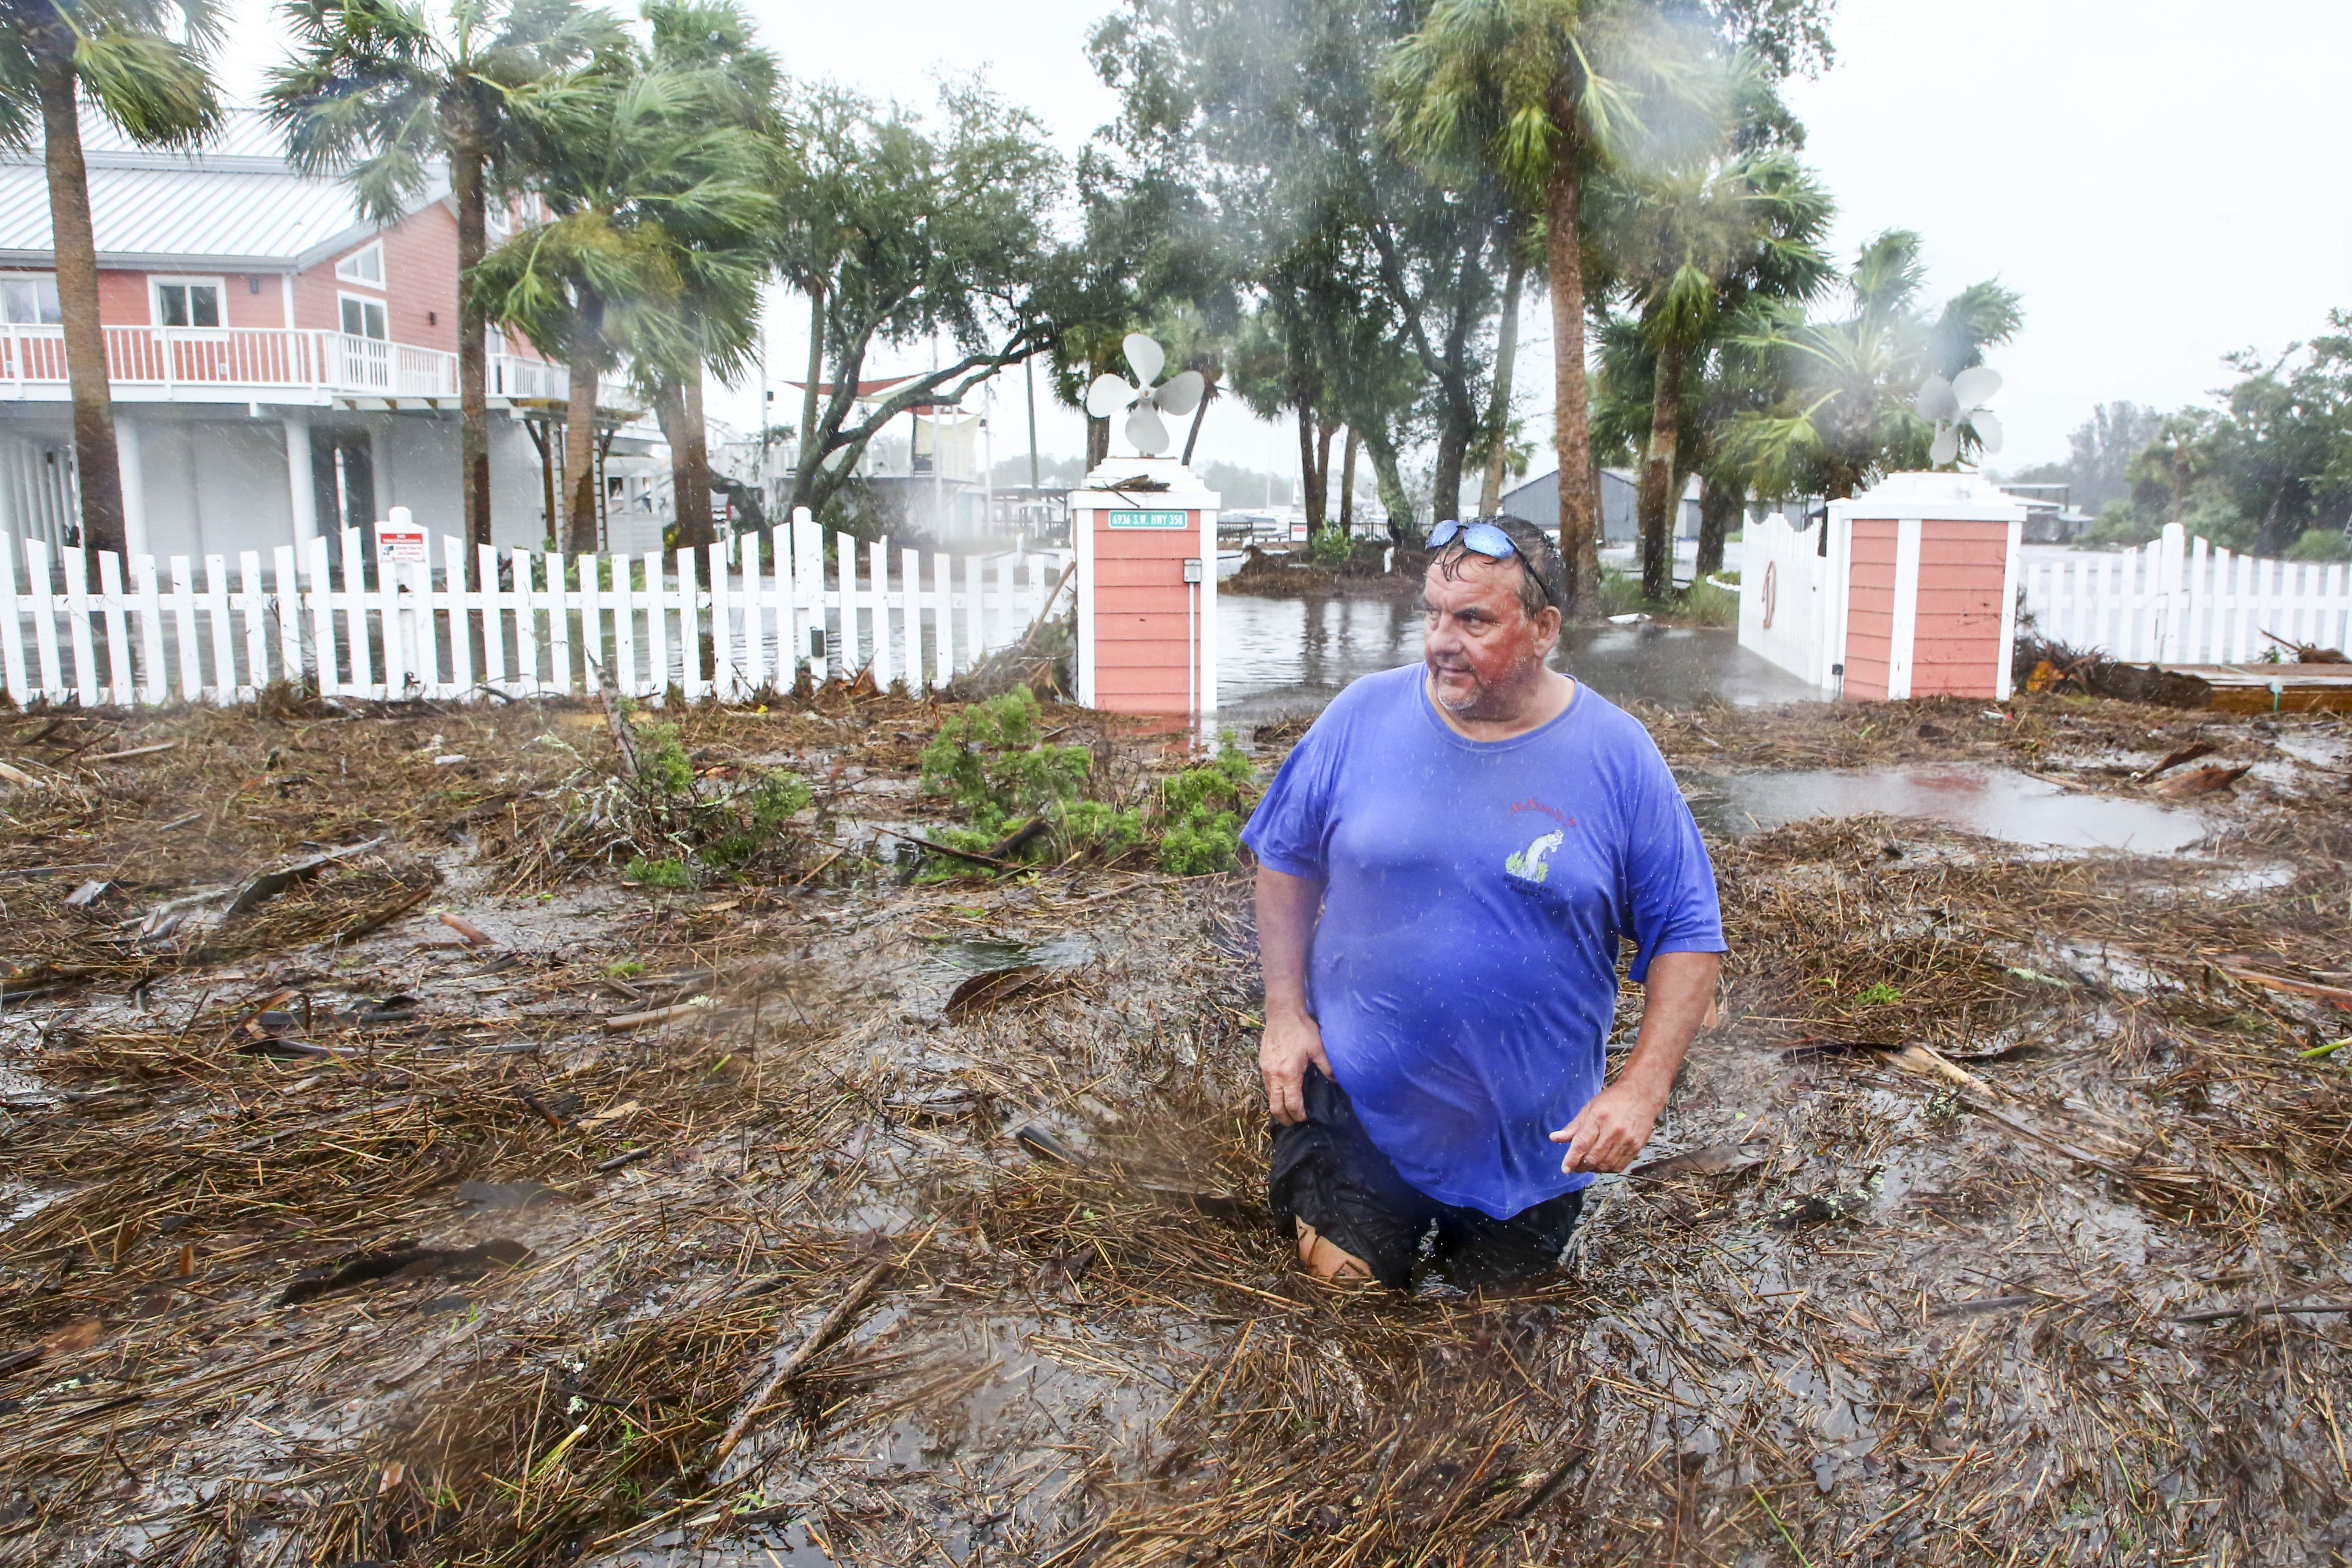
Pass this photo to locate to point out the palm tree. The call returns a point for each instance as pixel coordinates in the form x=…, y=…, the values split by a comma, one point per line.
x=381, y=90
x=1689, y=246
x=1721, y=381
x=1515, y=242
x=159, y=91
x=655, y=246
x=707, y=44
x=1541, y=92
x=1850, y=416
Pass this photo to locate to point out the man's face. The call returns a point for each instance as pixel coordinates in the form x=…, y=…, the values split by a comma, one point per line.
x=1480, y=645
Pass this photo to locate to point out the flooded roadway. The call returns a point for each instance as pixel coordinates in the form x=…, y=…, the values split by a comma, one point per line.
x=1283, y=657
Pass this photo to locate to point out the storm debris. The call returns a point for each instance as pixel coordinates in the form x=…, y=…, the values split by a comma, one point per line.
x=1996, y=1219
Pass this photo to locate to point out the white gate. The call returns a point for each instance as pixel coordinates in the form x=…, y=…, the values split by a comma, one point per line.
x=1785, y=592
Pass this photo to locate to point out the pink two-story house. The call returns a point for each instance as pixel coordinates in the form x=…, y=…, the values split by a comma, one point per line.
x=279, y=368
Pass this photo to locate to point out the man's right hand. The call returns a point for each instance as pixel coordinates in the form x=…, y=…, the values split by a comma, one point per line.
x=1292, y=1044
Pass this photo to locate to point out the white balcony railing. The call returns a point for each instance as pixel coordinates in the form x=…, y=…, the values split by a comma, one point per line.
x=511, y=376
x=230, y=364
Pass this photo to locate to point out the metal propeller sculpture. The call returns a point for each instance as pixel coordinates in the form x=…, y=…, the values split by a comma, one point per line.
x=1960, y=401
x=1179, y=395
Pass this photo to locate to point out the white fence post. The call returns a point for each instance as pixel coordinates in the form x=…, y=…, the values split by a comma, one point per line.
x=462, y=606
x=118, y=634
x=44, y=618
x=12, y=645
x=689, y=628
x=72, y=558
x=911, y=583
x=493, y=613
x=252, y=603
x=878, y=562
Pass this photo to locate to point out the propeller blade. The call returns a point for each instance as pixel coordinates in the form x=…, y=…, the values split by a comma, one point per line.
x=1183, y=394
x=1107, y=396
x=1988, y=431
x=1144, y=431
x=1936, y=401
x=1947, y=446
x=1144, y=358
x=1975, y=386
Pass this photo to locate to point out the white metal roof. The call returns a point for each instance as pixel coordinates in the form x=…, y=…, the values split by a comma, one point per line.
x=233, y=205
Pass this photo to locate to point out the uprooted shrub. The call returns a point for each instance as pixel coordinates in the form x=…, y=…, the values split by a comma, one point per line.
x=723, y=823
x=655, y=816
x=1026, y=799
x=1022, y=797
x=1201, y=811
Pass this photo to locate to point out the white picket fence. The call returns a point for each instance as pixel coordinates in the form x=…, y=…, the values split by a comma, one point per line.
x=762, y=606
x=2179, y=600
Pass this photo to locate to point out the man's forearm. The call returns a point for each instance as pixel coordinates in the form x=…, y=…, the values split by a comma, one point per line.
x=1286, y=910
x=1676, y=996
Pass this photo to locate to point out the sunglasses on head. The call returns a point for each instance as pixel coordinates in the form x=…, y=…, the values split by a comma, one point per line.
x=1487, y=539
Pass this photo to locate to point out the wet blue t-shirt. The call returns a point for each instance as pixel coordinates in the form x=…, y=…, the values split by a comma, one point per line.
x=1475, y=893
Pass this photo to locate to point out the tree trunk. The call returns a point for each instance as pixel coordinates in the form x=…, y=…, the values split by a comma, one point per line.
x=1348, y=485
x=670, y=413
x=2268, y=541
x=101, y=480
x=473, y=350
x=1719, y=507
x=1097, y=443
x=1199, y=411
x=1498, y=417
x=1394, y=498
x=1658, y=502
x=689, y=465
x=1571, y=416
x=807, y=457
x=1311, y=483
x=579, y=437
x=1319, y=499
x=1445, y=488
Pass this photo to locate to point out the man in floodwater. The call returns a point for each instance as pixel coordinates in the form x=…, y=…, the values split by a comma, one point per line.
x=1447, y=863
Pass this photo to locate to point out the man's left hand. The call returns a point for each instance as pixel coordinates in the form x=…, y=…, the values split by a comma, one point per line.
x=1609, y=1131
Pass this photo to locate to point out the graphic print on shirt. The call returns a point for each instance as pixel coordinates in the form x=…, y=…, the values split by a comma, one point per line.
x=1527, y=865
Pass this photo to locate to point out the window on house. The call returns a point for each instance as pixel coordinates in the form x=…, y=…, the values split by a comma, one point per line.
x=365, y=265
x=30, y=299
x=363, y=317
x=183, y=303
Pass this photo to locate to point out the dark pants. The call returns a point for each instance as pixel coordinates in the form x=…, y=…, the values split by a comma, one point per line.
x=1328, y=1172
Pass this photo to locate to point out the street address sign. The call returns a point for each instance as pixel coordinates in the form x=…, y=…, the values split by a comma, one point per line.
x=1148, y=519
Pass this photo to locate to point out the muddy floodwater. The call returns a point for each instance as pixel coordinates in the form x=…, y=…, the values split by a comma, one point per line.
x=399, y=1164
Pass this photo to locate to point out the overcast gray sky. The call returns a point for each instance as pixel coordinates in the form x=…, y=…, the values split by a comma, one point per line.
x=2160, y=180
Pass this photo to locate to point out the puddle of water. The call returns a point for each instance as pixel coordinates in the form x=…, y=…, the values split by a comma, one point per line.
x=1992, y=801
x=2256, y=878
x=789, y=1545
x=2319, y=750
x=977, y=955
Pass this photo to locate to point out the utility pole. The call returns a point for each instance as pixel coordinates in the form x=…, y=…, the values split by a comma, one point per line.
x=939, y=458
x=1029, y=370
